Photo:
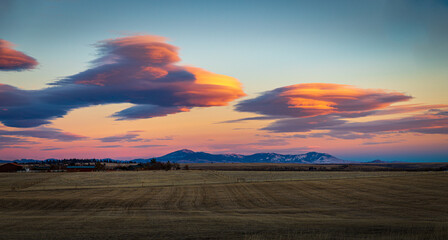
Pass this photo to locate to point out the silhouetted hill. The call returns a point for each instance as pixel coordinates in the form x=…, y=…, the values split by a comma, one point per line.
x=377, y=161
x=189, y=156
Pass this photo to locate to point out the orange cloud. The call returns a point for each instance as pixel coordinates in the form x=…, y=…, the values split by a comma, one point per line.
x=328, y=107
x=314, y=99
x=141, y=70
x=13, y=60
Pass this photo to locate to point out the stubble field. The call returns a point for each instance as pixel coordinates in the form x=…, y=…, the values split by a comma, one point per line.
x=224, y=205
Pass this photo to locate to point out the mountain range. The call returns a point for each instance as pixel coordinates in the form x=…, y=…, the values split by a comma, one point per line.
x=189, y=156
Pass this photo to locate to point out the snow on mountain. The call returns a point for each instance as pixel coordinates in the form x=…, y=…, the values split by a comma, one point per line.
x=189, y=156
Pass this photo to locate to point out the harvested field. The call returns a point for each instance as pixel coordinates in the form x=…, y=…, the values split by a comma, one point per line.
x=224, y=205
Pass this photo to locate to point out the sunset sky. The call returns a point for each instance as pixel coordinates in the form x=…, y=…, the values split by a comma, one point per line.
x=361, y=80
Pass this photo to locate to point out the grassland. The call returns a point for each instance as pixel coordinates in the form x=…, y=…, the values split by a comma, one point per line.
x=224, y=205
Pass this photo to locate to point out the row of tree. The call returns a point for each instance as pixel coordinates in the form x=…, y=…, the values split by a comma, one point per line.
x=155, y=165
x=100, y=164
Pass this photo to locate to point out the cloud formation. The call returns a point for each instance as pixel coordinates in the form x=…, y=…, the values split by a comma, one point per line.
x=51, y=149
x=314, y=99
x=45, y=133
x=13, y=142
x=140, y=70
x=149, y=146
x=131, y=136
x=13, y=60
x=331, y=109
x=424, y=123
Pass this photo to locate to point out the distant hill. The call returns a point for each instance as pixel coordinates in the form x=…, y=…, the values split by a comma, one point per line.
x=189, y=156
x=20, y=161
x=377, y=161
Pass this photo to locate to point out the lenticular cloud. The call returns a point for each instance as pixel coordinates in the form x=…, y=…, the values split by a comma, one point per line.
x=13, y=60
x=317, y=99
x=141, y=70
x=331, y=107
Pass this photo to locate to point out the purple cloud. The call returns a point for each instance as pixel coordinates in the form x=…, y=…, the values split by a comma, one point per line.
x=330, y=109
x=148, y=146
x=109, y=146
x=51, y=149
x=303, y=124
x=13, y=142
x=44, y=132
x=141, y=70
x=377, y=143
x=425, y=123
x=315, y=99
x=131, y=136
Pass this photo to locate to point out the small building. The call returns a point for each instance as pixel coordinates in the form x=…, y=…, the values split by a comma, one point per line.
x=81, y=168
x=11, y=167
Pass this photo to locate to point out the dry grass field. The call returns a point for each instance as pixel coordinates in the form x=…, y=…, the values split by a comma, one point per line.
x=224, y=205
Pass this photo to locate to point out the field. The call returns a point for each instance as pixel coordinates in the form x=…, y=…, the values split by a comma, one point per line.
x=209, y=204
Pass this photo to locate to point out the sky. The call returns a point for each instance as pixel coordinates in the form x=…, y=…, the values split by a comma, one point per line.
x=361, y=80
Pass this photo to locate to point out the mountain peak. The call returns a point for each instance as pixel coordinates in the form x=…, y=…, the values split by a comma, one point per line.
x=377, y=161
x=184, y=151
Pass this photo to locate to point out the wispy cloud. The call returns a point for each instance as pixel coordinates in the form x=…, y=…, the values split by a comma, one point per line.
x=166, y=138
x=51, y=149
x=44, y=132
x=13, y=142
x=148, y=146
x=384, y=142
x=109, y=146
x=127, y=137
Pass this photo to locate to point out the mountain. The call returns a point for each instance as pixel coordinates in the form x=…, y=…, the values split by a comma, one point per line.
x=377, y=161
x=189, y=156
x=20, y=161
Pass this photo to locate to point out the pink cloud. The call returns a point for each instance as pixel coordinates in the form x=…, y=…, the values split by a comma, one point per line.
x=13, y=60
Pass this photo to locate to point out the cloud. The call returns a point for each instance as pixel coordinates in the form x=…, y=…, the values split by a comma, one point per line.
x=408, y=108
x=376, y=143
x=147, y=111
x=148, y=146
x=331, y=109
x=51, y=149
x=13, y=60
x=424, y=123
x=270, y=142
x=141, y=70
x=166, y=138
x=303, y=124
x=109, y=146
x=128, y=137
x=13, y=142
x=315, y=99
x=44, y=132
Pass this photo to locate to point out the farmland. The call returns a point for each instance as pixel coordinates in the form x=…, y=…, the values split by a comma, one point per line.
x=205, y=204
